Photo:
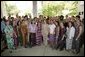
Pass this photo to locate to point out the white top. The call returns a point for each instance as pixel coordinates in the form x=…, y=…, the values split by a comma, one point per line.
x=32, y=28
x=70, y=32
x=52, y=28
x=44, y=29
x=81, y=17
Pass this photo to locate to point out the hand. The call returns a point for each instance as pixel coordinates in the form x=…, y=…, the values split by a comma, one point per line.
x=56, y=37
x=62, y=39
x=76, y=39
x=11, y=34
x=16, y=36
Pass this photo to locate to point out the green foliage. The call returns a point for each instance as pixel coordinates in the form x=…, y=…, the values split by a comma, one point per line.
x=11, y=9
x=53, y=9
x=74, y=8
x=26, y=12
x=50, y=9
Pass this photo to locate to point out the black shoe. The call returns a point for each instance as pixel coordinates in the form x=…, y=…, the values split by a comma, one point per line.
x=56, y=48
x=67, y=50
x=30, y=46
x=25, y=46
x=15, y=48
x=61, y=49
x=76, y=52
x=10, y=51
x=52, y=48
x=73, y=52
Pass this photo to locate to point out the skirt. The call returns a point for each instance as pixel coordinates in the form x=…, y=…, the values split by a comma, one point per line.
x=51, y=37
x=32, y=39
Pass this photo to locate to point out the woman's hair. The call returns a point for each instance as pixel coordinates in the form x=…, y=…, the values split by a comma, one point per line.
x=78, y=16
x=34, y=18
x=72, y=24
x=79, y=21
x=7, y=21
x=23, y=20
x=73, y=16
x=4, y=18
x=12, y=18
x=61, y=22
x=61, y=17
x=32, y=21
x=58, y=23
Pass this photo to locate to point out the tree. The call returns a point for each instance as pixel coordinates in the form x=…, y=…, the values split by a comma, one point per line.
x=52, y=9
x=26, y=12
x=74, y=9
x=11, y=9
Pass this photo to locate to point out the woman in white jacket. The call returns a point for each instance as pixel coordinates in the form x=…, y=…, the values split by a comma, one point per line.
x=45, y=32
x=70, y=34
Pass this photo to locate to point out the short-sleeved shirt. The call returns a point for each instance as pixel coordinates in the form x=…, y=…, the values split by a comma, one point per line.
x=52, y=28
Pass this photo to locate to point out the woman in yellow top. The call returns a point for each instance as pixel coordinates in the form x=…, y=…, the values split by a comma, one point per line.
x=24, y=32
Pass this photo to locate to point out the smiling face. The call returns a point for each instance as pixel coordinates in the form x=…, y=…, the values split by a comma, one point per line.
x=33, y=22
x=7, y=23
x=51, y=21
x=61, y=24
x=70, y=24
x=78, y=22
x=56, y=23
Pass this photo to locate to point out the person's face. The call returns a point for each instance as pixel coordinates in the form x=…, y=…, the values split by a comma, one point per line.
x=69, y=24
x=77, y=18
x=33, y=22
x=66, y=16
x=56, y=23
x=14, y=21
x=44, y=17
x=51, y=21
x=58, y=17
x=61, y=24
x=73, y=17
x=40, y=16
x=23, y=21
x=39, y=20
x=10, y=19
x=44, y=21
x=30, y=16
x=7, y=23
x=78, y=22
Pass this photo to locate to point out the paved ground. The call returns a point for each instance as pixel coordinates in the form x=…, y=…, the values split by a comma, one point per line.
x=40, y=51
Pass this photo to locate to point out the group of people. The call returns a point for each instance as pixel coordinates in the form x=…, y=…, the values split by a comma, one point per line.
x=57, y=32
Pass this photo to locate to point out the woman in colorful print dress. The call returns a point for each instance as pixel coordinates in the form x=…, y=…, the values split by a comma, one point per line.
x=9, y=35
x=38, y=33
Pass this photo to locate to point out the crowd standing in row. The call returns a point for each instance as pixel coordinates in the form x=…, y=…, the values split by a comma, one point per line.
x=57, y=32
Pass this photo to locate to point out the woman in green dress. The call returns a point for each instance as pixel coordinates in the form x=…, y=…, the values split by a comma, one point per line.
x=9, y=35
